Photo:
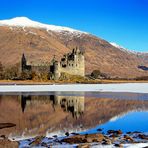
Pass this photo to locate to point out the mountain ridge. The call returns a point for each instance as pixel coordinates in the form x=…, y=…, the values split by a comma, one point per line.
x=26, y=22
x=40, y=44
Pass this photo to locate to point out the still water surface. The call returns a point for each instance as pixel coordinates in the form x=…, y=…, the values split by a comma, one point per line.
x=84, y=112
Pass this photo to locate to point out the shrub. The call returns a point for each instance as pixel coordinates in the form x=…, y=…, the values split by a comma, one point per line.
x=11, y=73
x=96, y=74
x=26, y=75
x=142, y=78
x=71, y=78
x=1, y=71
x=43, y=76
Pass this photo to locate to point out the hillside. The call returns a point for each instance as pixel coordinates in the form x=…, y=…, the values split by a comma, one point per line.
x=41, y=42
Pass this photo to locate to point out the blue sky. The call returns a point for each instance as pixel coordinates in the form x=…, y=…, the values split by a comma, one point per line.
x=124, y=22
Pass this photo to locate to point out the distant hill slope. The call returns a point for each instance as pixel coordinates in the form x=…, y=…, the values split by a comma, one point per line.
x=41, y=42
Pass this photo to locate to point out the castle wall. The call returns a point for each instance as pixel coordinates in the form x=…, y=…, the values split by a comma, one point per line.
x=72, y=70
x=73, y=66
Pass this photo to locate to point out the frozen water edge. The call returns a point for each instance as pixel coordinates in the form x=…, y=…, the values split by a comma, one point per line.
x=121, y=87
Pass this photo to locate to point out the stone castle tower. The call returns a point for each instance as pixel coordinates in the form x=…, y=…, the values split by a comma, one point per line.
x=24, y=66
x=72, y=63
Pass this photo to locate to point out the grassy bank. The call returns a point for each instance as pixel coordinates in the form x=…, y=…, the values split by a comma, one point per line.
x=13, y=82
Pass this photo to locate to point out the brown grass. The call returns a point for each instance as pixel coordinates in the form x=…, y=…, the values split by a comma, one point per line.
x=69, y=81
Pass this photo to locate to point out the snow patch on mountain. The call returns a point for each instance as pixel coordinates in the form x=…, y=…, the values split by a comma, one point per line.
x=127, y=50
x=26, y=22
x=122, y=48
x=116, y=45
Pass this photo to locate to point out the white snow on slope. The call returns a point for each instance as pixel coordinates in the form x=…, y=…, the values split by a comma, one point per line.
x=122, y=48
x=26, y=22
x=115, y=45
x=127, y=50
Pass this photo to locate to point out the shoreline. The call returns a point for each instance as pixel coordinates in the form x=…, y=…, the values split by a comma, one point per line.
x=117, y=87
x=50, y=82
x=112, y=138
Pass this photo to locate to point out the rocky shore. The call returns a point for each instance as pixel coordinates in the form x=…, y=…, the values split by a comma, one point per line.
x=113, y=138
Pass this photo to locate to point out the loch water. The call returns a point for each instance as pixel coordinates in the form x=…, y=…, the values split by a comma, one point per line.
x=45, y=113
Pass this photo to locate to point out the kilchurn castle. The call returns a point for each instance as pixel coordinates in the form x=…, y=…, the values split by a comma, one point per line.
x=72, y=63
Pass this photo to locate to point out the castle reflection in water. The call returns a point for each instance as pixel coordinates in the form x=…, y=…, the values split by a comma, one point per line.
x=72, y=104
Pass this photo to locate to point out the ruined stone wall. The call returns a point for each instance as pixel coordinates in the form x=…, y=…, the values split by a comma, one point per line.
x=74, y=67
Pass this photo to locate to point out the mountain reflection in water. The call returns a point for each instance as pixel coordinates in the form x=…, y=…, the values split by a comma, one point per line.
x=41, y=113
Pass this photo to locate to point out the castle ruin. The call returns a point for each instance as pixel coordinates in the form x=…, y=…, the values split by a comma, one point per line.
x=71, y=104
x=72, y=63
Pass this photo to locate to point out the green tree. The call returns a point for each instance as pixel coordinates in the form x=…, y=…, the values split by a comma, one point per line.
x=96, y=74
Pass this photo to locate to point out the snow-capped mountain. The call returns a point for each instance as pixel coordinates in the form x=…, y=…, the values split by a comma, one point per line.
x=26, y=22
x=40, y=42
